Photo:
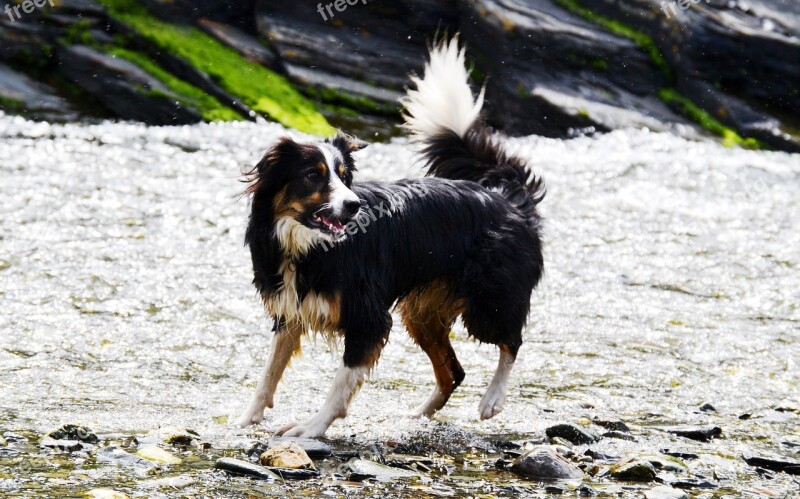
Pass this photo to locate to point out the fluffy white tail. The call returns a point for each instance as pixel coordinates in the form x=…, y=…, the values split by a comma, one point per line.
x=443, y=99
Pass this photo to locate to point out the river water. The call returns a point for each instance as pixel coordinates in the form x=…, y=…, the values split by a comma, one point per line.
x=125, y=305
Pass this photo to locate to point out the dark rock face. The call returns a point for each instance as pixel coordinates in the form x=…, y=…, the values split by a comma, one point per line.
x=123, y=87
x=545, y=464
x=554, y=67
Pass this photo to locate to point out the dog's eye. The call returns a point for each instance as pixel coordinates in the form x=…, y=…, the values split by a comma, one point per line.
x=313, y=175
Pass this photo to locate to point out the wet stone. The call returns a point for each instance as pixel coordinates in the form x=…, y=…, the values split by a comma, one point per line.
x=707, y=408
x=74, y=432
x=555, y=489
x=699, y=434
x=117, y=456
x=157, y=455
x=774, y=464
x=362, y=469
x=573, y=433
x=586, y=491
x=239, y=467
x=612, y=425
x=313, y=447
x=634, y=471
x=665, y=492
x=287, y=455
x=619, y=436
x=545, y=464
x=62, y=445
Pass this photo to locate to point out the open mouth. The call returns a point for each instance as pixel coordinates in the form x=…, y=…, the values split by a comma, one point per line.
x=327, y=223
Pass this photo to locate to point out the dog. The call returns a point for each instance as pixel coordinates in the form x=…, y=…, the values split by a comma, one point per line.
x=463, y=241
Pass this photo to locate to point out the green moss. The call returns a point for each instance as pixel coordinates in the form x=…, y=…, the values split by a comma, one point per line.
x=78, y=34
x=600, y=64
x=342, y=99
x=190, y=96
x=262, y=90
x=644, y=41
x=10, y=105
x=668, y=94
x=729, y=137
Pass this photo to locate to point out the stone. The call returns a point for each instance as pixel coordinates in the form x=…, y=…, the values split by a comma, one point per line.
x=287, y=455
x=115, y=455
x=105, y=494
x=632, y=470
x=586, y=491
x=156, y=454
x=697, y=433
x=313, y=447
x=74, y=432
x=363, y=468
x=545, y=464
x=707, y=408
x=665, y=492
x=774, y=464
x=573, y=433
x=612, y=425
x=239, y=467
x=63, y=445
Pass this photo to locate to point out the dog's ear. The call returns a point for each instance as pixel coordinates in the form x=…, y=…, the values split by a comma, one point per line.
x=272, y=169
x=348, y=144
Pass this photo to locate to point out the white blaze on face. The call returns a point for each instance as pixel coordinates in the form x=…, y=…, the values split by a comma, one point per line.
x=340, y=194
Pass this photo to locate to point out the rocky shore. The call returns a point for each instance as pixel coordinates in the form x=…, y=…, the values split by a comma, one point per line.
x=557, y=68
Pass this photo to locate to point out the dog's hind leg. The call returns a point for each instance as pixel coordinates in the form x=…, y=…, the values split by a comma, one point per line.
x=285, y=343
x=428, y=315
x=492, y=402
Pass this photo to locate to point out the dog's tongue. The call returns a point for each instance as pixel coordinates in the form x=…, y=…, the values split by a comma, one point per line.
x=333, y=225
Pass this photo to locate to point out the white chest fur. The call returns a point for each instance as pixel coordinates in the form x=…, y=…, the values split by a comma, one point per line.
x=316, y=312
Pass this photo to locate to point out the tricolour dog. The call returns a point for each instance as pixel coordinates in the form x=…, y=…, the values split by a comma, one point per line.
x=464, y=241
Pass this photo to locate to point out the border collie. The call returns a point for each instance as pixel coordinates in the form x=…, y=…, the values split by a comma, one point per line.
x=464, y=241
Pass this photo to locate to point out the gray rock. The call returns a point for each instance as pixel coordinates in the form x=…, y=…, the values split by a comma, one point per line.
x=774, y=464
x=364, y=468
x=573, y=433
x=634, y=471
x=74, y=432
x=545, y=464
x=239, y=467
x=63, y=445
x=696, y=433
x=115, y=455
x=665, y=492
x=123, y=87
x=612, y=425
x=313, y=447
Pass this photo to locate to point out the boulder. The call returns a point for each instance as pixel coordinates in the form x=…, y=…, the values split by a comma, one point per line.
x=634, y=470
x=545, y=464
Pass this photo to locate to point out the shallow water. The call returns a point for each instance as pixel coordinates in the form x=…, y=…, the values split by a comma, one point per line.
x=125, y=304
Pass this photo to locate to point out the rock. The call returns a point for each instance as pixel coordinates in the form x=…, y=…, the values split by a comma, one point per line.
x=572, y=433
x=169, y=435
x=157, y=455
x=555, y=489
x=680, y=454
x=665, y=492
x=287, y=455
x=124, y=87
x=313, y=447
x=634, y=471
x=117, y=456
x=619, y=436
x=600, y=456
x=707, y=408
x=3, y=442
x=363, y=469
x=239, y=467
x=105, y=494
x=74, y=432
x=19, y=94
x=774, y=464
x=545, y=464
x=699, y=434
x=172, y=482
x=586, y=491
x=63, y=445
x=247, y=45
x=613, y=425
x=692, y=483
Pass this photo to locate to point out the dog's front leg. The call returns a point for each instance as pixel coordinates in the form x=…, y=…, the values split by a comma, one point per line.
x=361, y=352
x=285, y=343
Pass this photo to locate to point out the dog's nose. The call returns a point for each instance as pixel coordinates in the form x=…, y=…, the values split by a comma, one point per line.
x=352, y=207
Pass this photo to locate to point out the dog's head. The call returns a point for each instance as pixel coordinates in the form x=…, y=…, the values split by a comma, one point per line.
x=305, y=189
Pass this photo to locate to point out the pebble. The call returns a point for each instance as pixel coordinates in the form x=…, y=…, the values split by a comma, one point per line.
x=634, y=471
x=74, y=432
x=707, y=408
x=774, y=464
x=156, y=454
x=287, y=455
x=545, y=464
x=612, y=425
x=363, y=469
x=573, y=433
x=665, y=492
x=239, y=467
x=699, y=434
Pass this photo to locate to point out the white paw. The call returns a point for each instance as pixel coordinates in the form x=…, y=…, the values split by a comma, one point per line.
x=305, y=430
x=492, y=403
x=251, y=417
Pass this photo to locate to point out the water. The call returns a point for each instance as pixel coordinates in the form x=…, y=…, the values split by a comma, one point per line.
x=125, y=304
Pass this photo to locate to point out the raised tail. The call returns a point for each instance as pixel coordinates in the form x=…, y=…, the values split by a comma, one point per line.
x=443, y=115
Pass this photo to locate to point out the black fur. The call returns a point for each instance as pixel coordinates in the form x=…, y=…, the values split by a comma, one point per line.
x=473, y=223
